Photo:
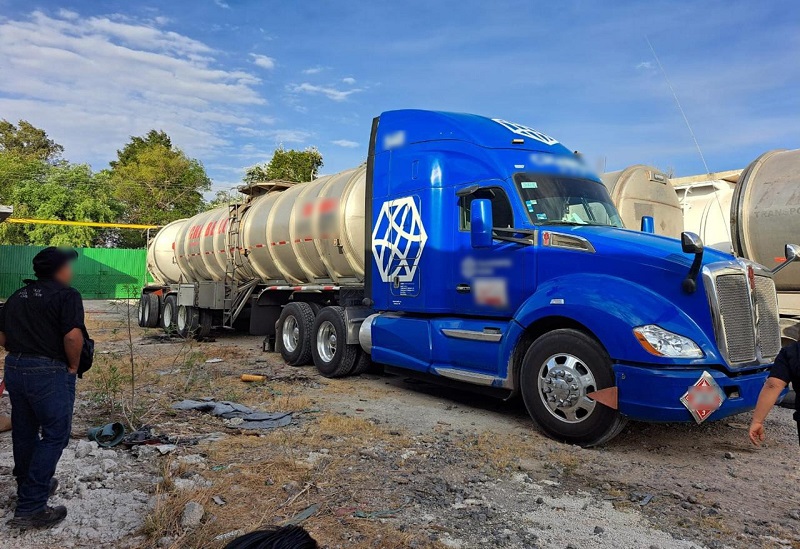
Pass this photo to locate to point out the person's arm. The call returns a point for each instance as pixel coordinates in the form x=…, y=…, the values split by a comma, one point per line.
x=766, y=400
x=73, y=345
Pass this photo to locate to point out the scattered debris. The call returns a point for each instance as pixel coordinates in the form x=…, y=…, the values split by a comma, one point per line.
x=107, y=436
x=214, y=361
x=303, y=515
x=253, y=377
x=218, y=500
x=249, y=418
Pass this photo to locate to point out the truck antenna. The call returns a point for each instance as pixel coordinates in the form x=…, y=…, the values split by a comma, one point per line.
x=677, y=102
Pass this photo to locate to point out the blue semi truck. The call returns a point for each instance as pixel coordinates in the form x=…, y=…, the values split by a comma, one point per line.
x=493, y=258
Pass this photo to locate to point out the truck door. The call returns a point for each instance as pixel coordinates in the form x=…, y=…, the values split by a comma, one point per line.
x=489, y=281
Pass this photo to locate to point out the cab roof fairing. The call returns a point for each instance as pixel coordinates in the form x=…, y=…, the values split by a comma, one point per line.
x=512, y=147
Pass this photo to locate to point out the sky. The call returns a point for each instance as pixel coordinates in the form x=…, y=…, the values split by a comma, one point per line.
x=230, y=80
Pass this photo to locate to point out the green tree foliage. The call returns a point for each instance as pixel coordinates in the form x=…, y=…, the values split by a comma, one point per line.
x=224, y=198
x=28, y=142
x=288, y=165
x=62, y=192
x=155, y=183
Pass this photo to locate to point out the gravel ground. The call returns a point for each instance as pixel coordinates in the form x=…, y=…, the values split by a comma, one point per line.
x=436, y=467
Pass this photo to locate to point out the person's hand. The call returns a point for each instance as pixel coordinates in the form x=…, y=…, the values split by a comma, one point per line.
x=73, y=371
x=757, y=435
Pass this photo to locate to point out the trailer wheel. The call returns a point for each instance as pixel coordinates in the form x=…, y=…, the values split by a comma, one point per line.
x=140, y=308
x=293, y=335
x=205, y=320
x=558, y=370
x=188, y=321
x=332, y=355
x=151, y=307
x=169, y=314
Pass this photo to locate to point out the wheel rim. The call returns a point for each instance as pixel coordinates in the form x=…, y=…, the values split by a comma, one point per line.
x=168, y=316
x=181, y=318
x=140, y=310
x=564, y=381
x=326, y=341
x=291, y=334
x=147, y=314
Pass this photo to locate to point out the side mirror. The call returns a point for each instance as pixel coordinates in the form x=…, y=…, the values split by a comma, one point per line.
x=691, y=243
x=480, y=219
x=792, y=253
x=648, y=224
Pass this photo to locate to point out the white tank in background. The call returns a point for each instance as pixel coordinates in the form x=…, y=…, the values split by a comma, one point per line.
x=639, y=191
x=707, y=211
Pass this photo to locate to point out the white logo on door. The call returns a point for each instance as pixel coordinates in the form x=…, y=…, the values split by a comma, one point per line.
x=398, y=239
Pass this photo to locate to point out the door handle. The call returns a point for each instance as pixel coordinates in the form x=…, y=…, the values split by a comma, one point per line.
x=463, y=288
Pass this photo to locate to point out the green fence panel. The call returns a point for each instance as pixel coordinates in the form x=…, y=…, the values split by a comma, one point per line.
x=100, y=273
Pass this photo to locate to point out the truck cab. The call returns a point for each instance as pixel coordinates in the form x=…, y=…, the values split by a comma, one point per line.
x=499, y=260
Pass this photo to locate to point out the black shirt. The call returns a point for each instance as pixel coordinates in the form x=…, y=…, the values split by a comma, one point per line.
x=36, y=318
x=787, y=367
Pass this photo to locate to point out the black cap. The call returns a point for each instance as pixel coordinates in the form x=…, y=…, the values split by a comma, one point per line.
x=51, y=259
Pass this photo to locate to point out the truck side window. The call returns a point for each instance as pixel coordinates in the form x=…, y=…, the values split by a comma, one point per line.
x=502, y=214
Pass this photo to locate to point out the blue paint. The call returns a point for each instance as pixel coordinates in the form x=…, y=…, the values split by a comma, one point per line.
x=440, y=281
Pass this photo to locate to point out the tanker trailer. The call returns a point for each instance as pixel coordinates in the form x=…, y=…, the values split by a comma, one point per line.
x=639, y=191
x=481, y=252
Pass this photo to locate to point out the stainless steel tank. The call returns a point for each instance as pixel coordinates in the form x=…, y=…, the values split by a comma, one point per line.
x=161, y=254
x=707, y=212
x=639, y=191
x=310, y=233
x=765, y=213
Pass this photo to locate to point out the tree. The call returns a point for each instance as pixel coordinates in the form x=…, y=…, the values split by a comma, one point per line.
x=63, y=192
x=288, y=165
x=156, y=183
x=224, y=198
x=28, y=142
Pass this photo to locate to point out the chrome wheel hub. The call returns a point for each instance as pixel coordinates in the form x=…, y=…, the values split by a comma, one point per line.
x=564, y=382
x=291, y=333
x=326, y=341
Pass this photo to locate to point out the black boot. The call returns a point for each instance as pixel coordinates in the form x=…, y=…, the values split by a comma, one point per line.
x=47, y=517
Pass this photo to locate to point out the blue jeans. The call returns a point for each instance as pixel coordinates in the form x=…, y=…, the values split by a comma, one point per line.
x=42, y=398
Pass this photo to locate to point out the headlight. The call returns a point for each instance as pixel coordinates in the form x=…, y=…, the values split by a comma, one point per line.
x=660, y=342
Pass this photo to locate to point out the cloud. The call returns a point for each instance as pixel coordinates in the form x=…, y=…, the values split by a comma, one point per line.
x=346, y=143
x=645, y=65
x=313, y=70
x=92, y=82
x=349, y=81
x=222, y=4
x=329, y=92
x=263, y=61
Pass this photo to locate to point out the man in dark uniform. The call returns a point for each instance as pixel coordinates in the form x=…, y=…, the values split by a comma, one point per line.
x=785, y=370
x=41, y=327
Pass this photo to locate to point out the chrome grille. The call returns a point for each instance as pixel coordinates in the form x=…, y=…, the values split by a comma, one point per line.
x=736, y=317
x=769, y=331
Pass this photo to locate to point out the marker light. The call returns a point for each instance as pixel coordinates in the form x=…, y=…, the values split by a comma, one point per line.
x=660, y=342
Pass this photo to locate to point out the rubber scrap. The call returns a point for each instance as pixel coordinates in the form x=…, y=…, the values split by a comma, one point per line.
x=250, y=419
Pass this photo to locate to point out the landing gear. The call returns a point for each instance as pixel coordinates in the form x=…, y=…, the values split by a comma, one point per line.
x=558, y=371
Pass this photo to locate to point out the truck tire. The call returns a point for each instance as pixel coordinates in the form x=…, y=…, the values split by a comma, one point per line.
x=151, y=308
x=140, y=307
x=558, y=370
x=363, y=363
x=169, y=314
x=204, y=321
x=293, y=334
x=187, y=322
x=333, y=357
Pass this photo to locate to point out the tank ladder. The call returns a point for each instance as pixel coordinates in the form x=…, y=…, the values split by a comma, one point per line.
x=236, y=293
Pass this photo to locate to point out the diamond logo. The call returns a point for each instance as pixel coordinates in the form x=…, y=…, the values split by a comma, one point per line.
x=398, y=240
x=525, y=131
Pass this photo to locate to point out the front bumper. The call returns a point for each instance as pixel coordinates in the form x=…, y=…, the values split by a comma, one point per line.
x=653, y=394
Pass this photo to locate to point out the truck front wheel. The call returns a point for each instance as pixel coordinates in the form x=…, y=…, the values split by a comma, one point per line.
x=559, y=369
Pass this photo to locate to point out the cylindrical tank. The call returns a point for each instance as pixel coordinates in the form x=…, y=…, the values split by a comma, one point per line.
x=161, y=254
x=310, y=233
x=641, y=190
x=765, y=213
x=707, y=212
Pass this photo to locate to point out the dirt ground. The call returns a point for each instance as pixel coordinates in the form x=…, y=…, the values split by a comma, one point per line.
x=383, y=461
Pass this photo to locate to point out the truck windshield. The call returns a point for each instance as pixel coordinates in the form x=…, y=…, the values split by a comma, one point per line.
x=567, y=201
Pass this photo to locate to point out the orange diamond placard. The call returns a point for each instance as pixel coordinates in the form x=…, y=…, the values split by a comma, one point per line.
x=703, y=398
